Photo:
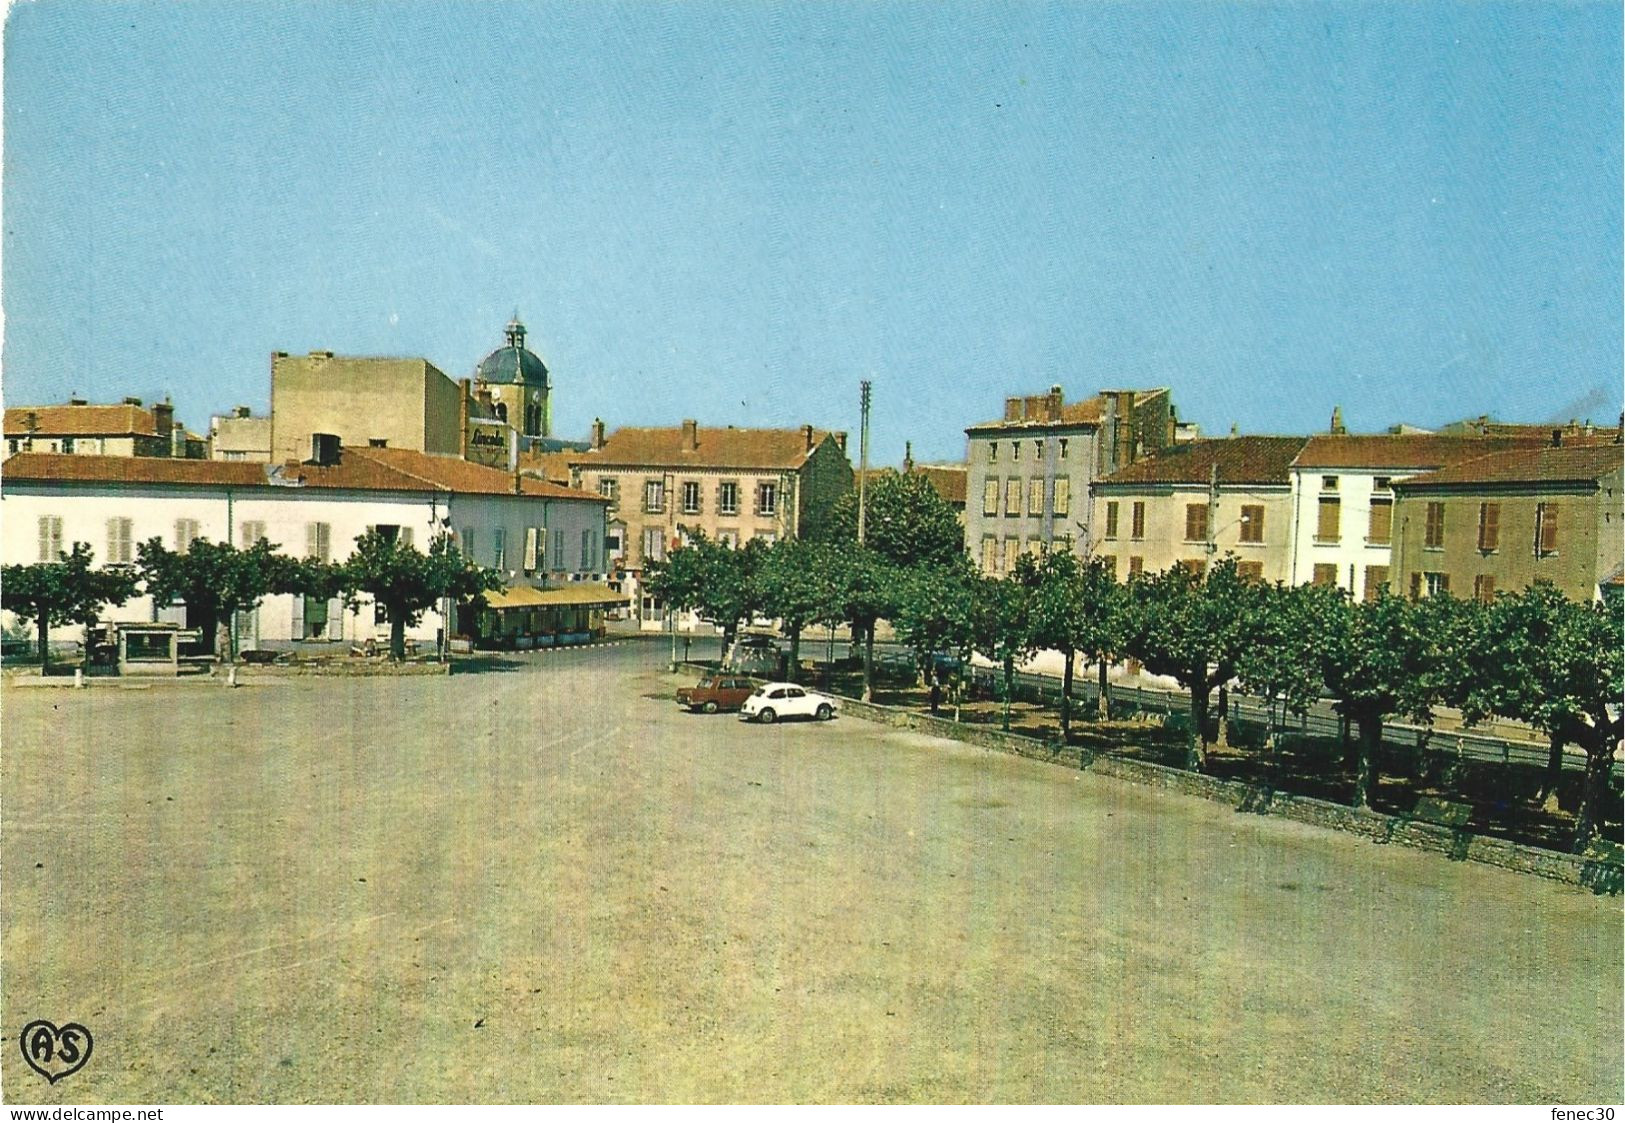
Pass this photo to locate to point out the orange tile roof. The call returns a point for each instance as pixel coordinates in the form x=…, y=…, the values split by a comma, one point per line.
x=947, y=479
x=369, y=469
x=123, y=420
x=553, y=467
x=1089, y=411
x=1404, y=450
x=716, y=448
x=1240, y=460
x=1578, y=465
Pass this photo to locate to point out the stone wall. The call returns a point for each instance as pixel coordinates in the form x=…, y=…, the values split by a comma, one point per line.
x=1600, y=876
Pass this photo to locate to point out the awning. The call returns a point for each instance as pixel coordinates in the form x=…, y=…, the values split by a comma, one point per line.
x=586, y=592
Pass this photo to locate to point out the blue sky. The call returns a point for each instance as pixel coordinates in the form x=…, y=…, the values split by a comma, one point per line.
x=737, y=211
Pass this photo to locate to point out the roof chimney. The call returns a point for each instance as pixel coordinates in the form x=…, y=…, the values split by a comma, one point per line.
x=241, y=411
x=807, y=435
x=1052, y=404
x=840, y=441
x=691, y=435
x=1557, y=438
x=163, y=418
x=1012, y=409
x=324, y=449
x=1338, y=429
x=598, y=433
x=908, y=458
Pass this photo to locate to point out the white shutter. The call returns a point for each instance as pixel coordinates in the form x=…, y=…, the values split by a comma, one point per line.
x=310, y=552
x=299, y=615
x=531, y=535
x=405, y=537
x=335, y=618
x=541, y=547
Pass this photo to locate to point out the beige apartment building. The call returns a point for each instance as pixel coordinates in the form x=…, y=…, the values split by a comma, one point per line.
x=1498, y=523
x=733, y=484
x=1191, y=503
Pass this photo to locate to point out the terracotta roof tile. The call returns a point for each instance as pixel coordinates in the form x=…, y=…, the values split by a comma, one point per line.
x=82, y=421
x=716, y=448
x=1405, y=450
x=1582, y=464
x=1240, y=460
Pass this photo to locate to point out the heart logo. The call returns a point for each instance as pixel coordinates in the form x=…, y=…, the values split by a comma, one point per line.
x=55, y=1053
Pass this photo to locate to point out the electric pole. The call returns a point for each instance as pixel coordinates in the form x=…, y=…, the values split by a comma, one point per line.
x=863, y=456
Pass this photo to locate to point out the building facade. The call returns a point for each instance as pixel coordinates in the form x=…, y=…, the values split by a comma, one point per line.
x=1029, y=474
x=1343, y=501
x=1196, y=501
x=240, y=435
x=1500, y=523
x=81, y=429
x=539, y=536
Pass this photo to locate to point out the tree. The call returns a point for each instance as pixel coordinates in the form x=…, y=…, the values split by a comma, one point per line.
x=1190, y=626
x=1543, y=659
x=1277, y=660
x=1058, y=618
x=1103, y=623
x=1377, y=658
x=712, y=579
x=865, y=589
x=793, y=584
x=404, y=582
x=216, y=580
x=1004, y=631
x=905, y=521
x=936, y=611
x=66, y=591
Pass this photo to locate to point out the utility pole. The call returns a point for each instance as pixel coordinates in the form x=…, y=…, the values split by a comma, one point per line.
x=1212, y=513
x=863, y=456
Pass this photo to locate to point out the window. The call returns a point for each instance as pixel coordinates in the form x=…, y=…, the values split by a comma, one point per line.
x=609, y=487
x=767, y=499
x=1033, y=544
x=499, y=548
x=1063, y=543
x=767, y=538
x=67, y=444
x=252, y=532
x=1250, y=570
x=535, y=548
x=1137, y=525
x=1061, y=448
x=1012, y=551
x=654, y=544
x=1328, y=525
x=1136, y=565
x=586, y=548
x=50, y=538
x=1381, y=528
x=185, y=532
x=1111, y=519
x=1376, y=579
x=728, y=498
x=1192, y=566
x=992, y=451
x=1437, y=583
x=1328, y=483
x=1546, y=529
x=1252, y=524
x=319, y=541
x=654, y=496
x=1038, y=450
x=1015, y=450
x=1434, y=537
x=1035, y=497
x=558, y=551
x=1012, y=497
x=1484, y=588
x=1109, y=561
x=990, y=496
x=691, y=497
x=1489, y=527
x=1196, y=522
x=468, y=542
x=1325, y=574
x=1063, y=496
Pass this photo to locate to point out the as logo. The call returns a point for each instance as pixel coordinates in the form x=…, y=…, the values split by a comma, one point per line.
x=55, y=1053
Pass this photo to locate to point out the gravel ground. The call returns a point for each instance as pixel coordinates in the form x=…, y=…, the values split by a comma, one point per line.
x=547, y=885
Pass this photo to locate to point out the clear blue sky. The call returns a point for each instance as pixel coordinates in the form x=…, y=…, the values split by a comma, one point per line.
x=737, y=211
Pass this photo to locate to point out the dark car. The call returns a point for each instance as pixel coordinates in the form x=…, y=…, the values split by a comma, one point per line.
x=715, y=693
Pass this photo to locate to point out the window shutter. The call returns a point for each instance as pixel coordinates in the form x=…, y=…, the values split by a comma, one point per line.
x=530, y=547
x=335, y=618
x=405, y=537
x=1489, y=525
x=1548, y=528
x=541, y=547
x=310, y=551
x=45, y=539
x=298, y=616
x=1063, y=493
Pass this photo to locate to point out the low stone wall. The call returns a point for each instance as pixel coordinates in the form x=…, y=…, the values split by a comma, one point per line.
x=1599, y=876
x=358, y=668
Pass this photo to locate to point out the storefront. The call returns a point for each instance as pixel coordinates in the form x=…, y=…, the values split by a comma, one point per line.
x=522, y=618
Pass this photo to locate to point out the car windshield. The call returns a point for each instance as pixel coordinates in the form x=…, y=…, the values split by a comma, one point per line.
x=704, y=682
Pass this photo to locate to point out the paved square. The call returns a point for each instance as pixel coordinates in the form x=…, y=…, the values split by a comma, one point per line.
x=547, y=885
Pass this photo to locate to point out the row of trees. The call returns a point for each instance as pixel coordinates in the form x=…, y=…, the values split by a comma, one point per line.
x=216, y=580
x=1532, y=656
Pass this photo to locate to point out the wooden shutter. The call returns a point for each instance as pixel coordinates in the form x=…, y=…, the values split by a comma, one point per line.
x=1328, y=526
x=1138, y=530
x=1381, y=528
x=1111, y=517
x=1489, y=526
x=1196, y=522
x=1547, y=517
x=1435, y=525
x=1035, y=497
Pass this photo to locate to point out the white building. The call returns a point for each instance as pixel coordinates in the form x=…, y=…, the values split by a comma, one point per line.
x=1342, y=507
x=537, y=534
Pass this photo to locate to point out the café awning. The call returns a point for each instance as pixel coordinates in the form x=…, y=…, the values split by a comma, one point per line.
x=583, y=593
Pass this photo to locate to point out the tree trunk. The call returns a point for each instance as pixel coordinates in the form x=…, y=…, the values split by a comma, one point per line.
x=1103, y=704
x=869, y=662
x=1224, y=717
x=1066, y=697
x=1547, y=796
x=44, y=641
x=1599, y=763
x=1196, y=754
x=727, y=639
x=1009, y=685
x=1365, y=769
x=397, y=637
x=795, y=654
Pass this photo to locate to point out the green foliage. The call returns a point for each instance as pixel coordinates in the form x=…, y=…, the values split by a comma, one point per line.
x=936, y=610
x=67, y=591
x=1278, y=660
x=905, y=521
x=404, y=582
x=711, y=578
x=793, y=583
x=216, y=579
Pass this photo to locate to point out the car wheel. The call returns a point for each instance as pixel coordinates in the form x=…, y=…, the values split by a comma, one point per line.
x=767, y=716
x=710, y=707
x=824, y=712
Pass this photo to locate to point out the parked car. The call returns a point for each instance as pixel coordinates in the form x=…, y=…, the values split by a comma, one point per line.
x=785, y=699
x=754, y=655
x=715, y=693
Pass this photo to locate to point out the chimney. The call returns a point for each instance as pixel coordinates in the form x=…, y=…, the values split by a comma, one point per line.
x=908, y=458
x=1557, y=438
x=1012, y=409
x=597, y=433
x=691, y=435
x=241, y=411
x=324, y=449
x=78, y=401
x=807, y=435
x=1052, y=405
x=132, y=401
x=840, y=440
x=1338, y=429
x=163, y=417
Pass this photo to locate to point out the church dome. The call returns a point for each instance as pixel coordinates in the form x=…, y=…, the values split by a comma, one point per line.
x=512, y=363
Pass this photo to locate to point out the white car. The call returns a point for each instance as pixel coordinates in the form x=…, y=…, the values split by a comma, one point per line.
x=786, y=699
